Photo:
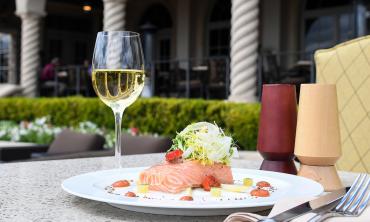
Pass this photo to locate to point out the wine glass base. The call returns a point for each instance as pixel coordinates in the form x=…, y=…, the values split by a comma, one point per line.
x=286, y=166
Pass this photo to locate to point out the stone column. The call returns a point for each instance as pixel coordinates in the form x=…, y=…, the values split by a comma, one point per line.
x=31, y=13
x=114, y=15
x=244, y=50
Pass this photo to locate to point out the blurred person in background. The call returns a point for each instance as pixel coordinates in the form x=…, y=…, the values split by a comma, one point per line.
x=48, y=77
x=48, y=72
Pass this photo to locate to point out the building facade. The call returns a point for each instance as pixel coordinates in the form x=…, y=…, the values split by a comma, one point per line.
x=256, y=41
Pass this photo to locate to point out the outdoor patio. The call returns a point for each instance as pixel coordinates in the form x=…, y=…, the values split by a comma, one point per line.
x=214, y=110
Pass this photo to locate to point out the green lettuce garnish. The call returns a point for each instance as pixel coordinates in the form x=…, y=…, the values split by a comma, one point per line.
x=205, y=142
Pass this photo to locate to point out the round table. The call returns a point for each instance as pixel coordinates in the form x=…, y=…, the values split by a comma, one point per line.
x=31, y=191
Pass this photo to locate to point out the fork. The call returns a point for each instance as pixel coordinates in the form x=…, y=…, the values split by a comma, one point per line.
x=352, y=204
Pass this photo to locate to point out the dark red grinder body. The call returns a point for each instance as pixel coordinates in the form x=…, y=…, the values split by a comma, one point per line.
x=277, y=127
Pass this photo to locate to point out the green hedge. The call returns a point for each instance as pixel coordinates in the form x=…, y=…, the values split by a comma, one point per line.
x=156, y=115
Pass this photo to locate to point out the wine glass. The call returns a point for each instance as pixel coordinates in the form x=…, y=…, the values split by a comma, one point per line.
x=118, y=74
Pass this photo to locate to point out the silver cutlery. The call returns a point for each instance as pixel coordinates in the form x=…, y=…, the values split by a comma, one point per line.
x=352, y=204
x=317, y=204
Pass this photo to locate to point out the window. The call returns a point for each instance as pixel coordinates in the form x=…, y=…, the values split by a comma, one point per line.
x=156, y=24
x=4, y=56
x=219, y=29
x=346, y=28
x=319, y=4
x=327, y=23
x=320, y=33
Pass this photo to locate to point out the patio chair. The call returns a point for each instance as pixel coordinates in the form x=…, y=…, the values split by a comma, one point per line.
x=273, y=73
x=195, y=83
x=68, y=142
x=144, y=144
x=348, y=66
x=162, y=80
x=7, y=90
x=216, y=83
x=130, y=145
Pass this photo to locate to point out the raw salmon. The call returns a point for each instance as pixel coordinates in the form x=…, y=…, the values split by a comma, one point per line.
x=176, y=177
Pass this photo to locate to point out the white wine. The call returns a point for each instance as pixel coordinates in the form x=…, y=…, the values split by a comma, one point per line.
x=118, y=75
x=118, y=88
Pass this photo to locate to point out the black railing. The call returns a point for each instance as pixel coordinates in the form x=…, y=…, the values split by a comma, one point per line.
x=285, y=67
x=207, y=78
x=68, y=80
x=201, y=78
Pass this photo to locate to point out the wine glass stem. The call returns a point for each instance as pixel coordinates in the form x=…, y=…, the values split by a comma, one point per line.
x=118, y=147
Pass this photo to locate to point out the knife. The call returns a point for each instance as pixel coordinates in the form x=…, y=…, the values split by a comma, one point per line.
x=320, y=203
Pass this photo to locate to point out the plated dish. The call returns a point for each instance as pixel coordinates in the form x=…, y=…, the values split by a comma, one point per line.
x=94, y=185
x=194, y=178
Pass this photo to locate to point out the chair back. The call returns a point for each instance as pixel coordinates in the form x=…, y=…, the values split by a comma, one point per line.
x=217, y=69
x=348, y=66
x=73, y=142
x=271, y=68
x=144, y=144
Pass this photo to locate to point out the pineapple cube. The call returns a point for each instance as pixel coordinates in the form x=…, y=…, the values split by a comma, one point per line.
x=142, y=188
x=189, y=191
x=215, y=192
x=247, y=182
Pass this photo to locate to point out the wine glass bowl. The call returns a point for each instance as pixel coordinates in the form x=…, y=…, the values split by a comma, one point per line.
x=118, y=74
x=118, y=88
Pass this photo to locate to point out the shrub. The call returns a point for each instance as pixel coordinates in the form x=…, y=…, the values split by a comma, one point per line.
x=154, y=115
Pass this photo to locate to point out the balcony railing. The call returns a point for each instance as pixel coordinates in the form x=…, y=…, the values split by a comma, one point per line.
x=285, y=67
x=200, y=78
x=207, y=78
x=69, y=80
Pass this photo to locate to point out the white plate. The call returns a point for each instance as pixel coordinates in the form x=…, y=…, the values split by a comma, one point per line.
x=93, y=186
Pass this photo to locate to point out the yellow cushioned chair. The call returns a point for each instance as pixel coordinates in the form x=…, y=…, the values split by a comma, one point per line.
x=348, y=66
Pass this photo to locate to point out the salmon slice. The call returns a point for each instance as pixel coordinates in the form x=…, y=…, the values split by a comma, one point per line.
x=176, y=177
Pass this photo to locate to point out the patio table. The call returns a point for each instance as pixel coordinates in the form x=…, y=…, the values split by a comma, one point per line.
x=202, y=73
x=18, y=150
x=31, y=191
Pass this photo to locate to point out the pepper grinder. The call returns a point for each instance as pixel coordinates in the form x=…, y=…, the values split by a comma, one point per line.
x=277, y=127
x=317, y=144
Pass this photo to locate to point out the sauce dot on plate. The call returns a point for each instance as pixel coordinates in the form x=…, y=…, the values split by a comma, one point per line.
x=130, y=194
x=260, y=193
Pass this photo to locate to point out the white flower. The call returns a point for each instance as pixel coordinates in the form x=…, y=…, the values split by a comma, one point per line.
x=41, y=121
x=15, y=136
x=47, y=131
x=22, y=131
